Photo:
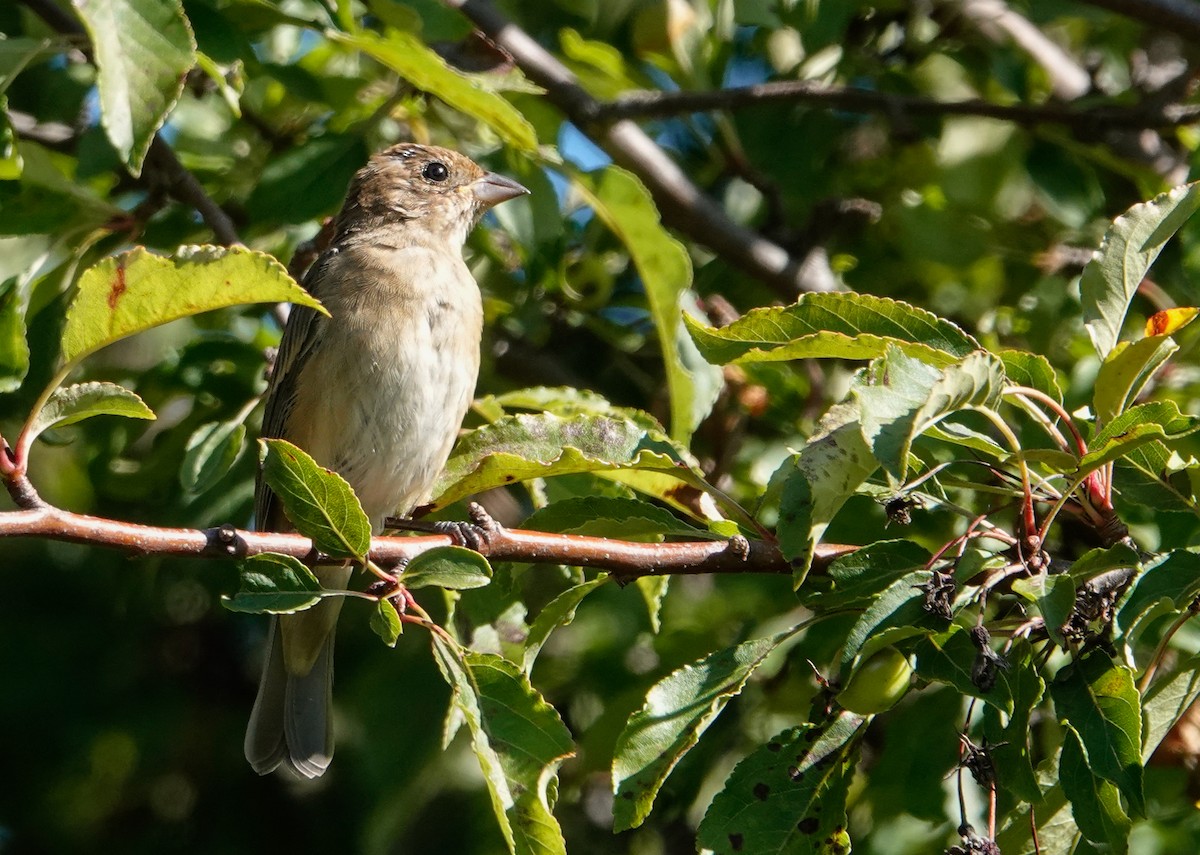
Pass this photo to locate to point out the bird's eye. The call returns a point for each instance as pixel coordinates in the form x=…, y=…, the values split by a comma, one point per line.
x=436, y=171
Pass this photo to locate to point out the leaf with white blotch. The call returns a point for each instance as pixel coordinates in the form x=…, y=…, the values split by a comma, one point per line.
x=818, y=481
x=525, y=446
x=901, y=397
x=1095, y=802
x=1033, y=370
x=1098, y=698
x=1130, y=246
x=833, y=325
x=450, y=567
x=678, y=709
x=385, y=622
x=275, y=584
x=625, y=206
x=405, y=54
x=318, y=501
x=1159, y=420
x=71, y=404
x=136, y=290
x=143, y=50
x=558, y=612
x=787, y=796
x=519, y=740
x=961, y=435
x=1126, y=371
x=211, y=451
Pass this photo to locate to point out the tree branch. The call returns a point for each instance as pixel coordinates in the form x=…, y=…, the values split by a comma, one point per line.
x=682, y=204
x=857, y=100
x=623, y=558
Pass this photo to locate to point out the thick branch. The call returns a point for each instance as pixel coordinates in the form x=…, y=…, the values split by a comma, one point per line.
x=682, y=204
x=856, y=100
x=532, y=547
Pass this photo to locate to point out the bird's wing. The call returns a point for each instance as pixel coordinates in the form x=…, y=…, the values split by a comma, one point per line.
x=301, y=335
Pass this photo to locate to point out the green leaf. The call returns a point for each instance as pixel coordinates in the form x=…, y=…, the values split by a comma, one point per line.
x=565, y=401
x=1099, y=700
x=818, y=481
x=859, y=576
x=1125, y=372
x=275, y=584
x=1168, y=699
x=385, y=622
x=1055, y=598
x=1155, y=476
x=1135, y=427
x=519, y=740
x=899, y=607
x=406, y=55
x=211, y=451
x=1095, y=802
x=900, y=397
x=1169, y=583
x=525, y=446
x=787, y=796
x=144, y=50
x=1033, y=370
x=1130, y=246
x=833, y=325
x=678, y=709
x=451, y=567
x=136, y=291
x=610, y=516
x=948, y=657
x=307, y=180
x=71, y=404
x=318, y=501
x=558, y=612
x=14, y=348
x=1009, y=735
x=625, y=206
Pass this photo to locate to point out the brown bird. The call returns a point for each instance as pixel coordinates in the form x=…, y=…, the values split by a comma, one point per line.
x=376, y=392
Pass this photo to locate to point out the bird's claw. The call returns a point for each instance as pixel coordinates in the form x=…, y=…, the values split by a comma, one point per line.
x=475, y=534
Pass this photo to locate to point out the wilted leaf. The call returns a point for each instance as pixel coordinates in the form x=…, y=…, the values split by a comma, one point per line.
x=318, y=501
x=1170, y=321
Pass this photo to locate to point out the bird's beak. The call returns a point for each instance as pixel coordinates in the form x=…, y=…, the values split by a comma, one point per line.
x=492, y=189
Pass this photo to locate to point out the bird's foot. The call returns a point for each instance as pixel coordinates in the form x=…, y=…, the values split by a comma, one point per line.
x=476, y=533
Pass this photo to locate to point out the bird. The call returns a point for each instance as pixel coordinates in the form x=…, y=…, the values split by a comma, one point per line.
x=376, y=392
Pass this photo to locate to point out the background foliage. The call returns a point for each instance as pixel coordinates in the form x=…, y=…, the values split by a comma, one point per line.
x=143, y=123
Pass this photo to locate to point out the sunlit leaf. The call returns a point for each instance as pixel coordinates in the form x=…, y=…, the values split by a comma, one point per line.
x=1130, y=246
x=1135, y=427
x=1033, y=370
x=144, y=50
x=71, y=404
x=558, y=612
x=1126, y=371
x=1170, y=321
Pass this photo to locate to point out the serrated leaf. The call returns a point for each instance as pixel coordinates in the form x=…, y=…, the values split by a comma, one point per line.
x=1095, y=803
x=1033, y=370
x=275, y=584
x=1133, y=428
x=1097, y=697
x=625, y=206
x=1154, y=476
x=1130, y=246
x=833, y=325
x=818, y=481
x=966, y=437
x=144, y=50
x=451, y=567
x=948, y=656
x=1125, y=372
x=211, y=451
x=71, y=404
x=318, y=501
x=137, y=290
x=520, y=742
x=900, y=397
x=899, y=606
x=385, y=622
x=558, y=612
x=524, y=446
x=1170, y=321
x=1168, y=699
x=417, y=63
x=678, y=709
x=787, y=796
